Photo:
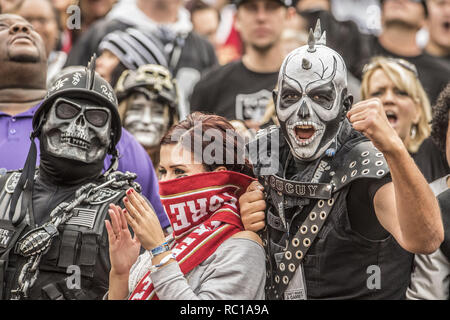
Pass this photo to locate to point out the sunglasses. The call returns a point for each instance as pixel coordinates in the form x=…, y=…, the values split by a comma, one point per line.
x=401, y=62
x=68, y=110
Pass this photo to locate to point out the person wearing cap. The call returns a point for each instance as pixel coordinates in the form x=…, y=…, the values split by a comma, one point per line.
x=23, y=52
x=242, y=89
x=52, y=218
x=189, y=54
x=148, y=105
x=128, y=50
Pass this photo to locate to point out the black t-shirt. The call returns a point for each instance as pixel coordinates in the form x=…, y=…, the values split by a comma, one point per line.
x=431, y=161
x=234, y=92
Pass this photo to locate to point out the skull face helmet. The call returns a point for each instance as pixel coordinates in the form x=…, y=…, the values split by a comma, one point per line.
x=310, y=102
x=77, y=129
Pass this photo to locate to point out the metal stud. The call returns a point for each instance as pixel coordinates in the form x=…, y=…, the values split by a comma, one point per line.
x=303, y=229
x=306, y=242
x=332, y=173
x=288, y=255
x=291, y=267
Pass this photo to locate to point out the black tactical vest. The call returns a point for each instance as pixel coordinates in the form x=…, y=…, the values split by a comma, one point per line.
x=81, y=246
x=339, y=263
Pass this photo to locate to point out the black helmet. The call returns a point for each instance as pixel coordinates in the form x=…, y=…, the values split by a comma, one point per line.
x=82, y=82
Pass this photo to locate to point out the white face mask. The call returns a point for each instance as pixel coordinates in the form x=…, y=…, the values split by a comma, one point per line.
x=309, y=104
x=146, y=120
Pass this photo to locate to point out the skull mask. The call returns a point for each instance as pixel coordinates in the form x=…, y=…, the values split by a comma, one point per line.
x=146, y=118
x=77, y=129
x=312, y=94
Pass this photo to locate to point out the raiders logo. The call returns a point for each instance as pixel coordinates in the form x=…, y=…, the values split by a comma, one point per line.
x=12, y=182
x=104, y=195
x=252, y=106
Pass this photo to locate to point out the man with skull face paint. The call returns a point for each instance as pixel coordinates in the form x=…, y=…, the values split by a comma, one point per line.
x=52, y=218
x=337, y=205
x=148, y=105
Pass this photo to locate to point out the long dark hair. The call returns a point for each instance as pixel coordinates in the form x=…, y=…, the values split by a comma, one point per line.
x=195, y=128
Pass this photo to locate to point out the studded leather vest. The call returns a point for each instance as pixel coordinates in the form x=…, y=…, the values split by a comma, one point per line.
x=76, y=266
x=308, y=230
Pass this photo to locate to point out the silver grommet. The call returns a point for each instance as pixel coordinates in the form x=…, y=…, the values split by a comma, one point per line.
x=291, y=267
x=314, y=229
x=277, y=279
x=365, y=171
x=295, y=242
x=282, y=267
x=352, y=164
x=379, y=154
x=321, y=203
x=332, y=173
x=264, y=242
x=312, y=216
x=344, y=178
x=330, y=202
x=303, y=229
x=323, y=215
x=365, y=154
x=299, y=254
x=380, y=172
x=285, y=280
x=366, y=161
x=306, y=242
x=288, y=255
x=354, y=172
x=379, y=163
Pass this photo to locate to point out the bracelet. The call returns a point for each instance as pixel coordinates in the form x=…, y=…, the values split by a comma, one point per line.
x=163, y=262
x=160, y=249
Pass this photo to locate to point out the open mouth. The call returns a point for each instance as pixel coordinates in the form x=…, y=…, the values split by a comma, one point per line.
x=305, y=132
x=446, y=26
x=392, y=117
x=77, y=140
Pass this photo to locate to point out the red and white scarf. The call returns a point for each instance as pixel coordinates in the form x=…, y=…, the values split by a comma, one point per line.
x=204, y=212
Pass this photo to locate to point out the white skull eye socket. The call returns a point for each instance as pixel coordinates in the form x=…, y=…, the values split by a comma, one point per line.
x=96, y=117
x=67, y=111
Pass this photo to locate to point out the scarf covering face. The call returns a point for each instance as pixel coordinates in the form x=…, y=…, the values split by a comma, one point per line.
x=204, y=212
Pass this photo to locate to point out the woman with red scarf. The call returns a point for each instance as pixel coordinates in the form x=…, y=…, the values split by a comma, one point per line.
x=211, y=256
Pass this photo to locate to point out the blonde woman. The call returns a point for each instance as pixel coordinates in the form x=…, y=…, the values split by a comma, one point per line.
x=395, y=83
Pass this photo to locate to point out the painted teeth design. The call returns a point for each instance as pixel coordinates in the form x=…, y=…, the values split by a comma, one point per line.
x=76, y=139
x=318, y=129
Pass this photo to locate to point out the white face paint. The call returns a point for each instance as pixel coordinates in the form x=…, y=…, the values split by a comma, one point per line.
x=147, y=120
x=312, y=84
